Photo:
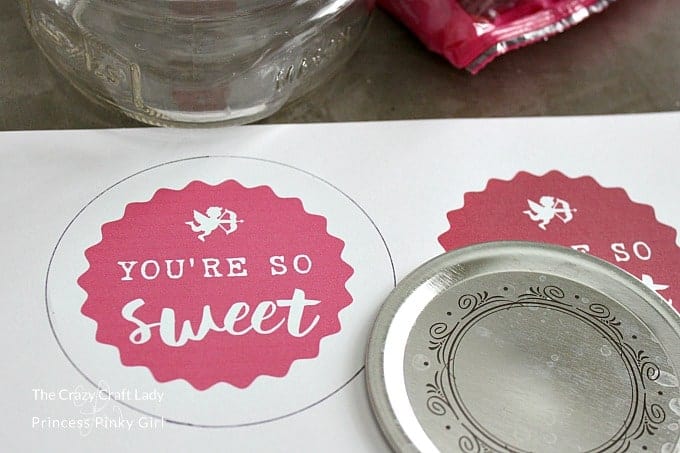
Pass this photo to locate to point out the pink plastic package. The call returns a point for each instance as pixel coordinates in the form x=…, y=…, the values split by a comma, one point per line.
x=471, y=33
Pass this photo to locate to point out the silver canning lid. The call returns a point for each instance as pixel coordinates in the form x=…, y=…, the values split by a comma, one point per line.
x=524, y=347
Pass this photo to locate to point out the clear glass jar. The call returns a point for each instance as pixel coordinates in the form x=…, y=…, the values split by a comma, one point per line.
x=196, y=62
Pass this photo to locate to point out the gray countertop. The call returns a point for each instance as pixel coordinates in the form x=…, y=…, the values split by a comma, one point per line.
x=622, y=61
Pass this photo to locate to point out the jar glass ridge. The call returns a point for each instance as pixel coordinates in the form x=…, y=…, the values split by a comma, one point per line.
x=196, y=62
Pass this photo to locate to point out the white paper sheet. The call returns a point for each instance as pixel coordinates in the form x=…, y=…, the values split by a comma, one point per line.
x=406, y=176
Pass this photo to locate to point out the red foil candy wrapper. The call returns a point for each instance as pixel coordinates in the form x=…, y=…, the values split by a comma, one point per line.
x=471, y=33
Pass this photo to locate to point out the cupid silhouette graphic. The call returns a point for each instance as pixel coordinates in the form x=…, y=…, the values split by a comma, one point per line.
x=215, y=217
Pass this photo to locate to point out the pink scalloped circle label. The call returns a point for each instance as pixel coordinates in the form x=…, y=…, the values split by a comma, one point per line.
x=216, y=283
x=573, y=212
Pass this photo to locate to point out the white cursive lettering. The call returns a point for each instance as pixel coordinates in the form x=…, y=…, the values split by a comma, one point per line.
x=234, y=322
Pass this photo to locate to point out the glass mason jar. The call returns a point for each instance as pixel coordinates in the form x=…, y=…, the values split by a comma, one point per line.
x=196, y=62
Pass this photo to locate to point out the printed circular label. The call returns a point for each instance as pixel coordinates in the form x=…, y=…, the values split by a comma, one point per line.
x=218, y=291
x=219, y=294
x=573, y=212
